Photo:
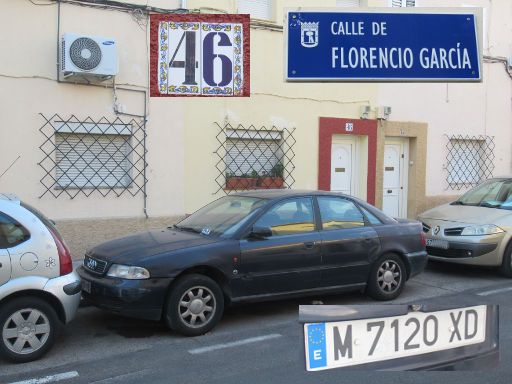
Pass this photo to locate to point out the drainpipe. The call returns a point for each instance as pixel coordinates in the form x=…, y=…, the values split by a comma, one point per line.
x=183, y=4
x=144, y=116
x=58, y=41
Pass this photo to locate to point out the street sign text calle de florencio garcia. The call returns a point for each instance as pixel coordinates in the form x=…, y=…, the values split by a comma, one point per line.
x=368, y=46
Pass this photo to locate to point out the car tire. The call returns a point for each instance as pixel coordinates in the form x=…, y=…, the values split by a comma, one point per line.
x=195, y=305
x=506, y=264
x=387, y=278
x=28, y=329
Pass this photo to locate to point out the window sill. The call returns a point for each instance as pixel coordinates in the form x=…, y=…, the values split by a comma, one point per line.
x=60, y=188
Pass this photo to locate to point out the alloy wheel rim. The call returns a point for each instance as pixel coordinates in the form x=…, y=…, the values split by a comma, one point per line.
x=389, y=276
x=197, y=306
x=26, y=331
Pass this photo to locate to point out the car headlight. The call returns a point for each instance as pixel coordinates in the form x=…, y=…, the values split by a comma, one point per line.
x=128, y=272
x=480, y=230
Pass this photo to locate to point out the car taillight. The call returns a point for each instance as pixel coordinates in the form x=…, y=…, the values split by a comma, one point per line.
x=65, y=263
x=423, y=239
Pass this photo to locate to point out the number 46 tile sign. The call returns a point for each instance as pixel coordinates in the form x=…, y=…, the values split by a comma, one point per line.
x=200, y=55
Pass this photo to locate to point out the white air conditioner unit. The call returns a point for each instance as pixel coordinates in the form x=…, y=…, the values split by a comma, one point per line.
x=90, y=57
x=364, y=111
x=383, y=113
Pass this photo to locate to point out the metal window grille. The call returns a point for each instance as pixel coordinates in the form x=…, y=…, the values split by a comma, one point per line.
x=258, y=9
x=87, y=156
x=469, y=160
x=250, y=158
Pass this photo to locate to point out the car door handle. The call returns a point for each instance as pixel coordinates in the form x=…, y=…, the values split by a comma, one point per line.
x=368, y=240
x=309, y=244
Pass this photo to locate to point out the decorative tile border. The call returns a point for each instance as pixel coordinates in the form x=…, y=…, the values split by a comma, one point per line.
x=163, y=57
x=162, y=29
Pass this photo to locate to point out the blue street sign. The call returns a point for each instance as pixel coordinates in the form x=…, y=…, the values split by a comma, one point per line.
x=337, y=46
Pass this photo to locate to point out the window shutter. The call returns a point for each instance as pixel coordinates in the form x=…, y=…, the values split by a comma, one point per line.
x=347, y=3
x=88, y=160
x=244, y=156
x=258, y=9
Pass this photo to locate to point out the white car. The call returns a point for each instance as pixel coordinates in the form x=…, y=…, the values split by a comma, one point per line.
x=39, y=292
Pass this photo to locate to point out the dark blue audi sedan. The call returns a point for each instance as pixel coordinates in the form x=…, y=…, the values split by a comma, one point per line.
x=255, y=245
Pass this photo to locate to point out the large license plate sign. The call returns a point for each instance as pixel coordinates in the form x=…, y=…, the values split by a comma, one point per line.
x=409, y=45
x=199, y=55
x=437, y=243
x=347, y=343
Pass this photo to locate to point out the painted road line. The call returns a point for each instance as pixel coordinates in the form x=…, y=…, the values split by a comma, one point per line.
x=122, y=377
x=50, y=379
x=234, y=343
x=487, y=293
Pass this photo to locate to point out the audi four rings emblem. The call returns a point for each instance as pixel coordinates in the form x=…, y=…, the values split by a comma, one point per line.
x=92, y=264
x=436, y=230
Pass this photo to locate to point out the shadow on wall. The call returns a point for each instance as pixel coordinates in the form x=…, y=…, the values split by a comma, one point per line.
x=83, y=234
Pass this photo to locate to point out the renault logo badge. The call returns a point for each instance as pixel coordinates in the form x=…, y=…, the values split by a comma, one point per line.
x=436, y=229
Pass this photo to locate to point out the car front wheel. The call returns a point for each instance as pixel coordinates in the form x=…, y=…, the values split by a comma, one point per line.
x=387, y=278
x=195, y=305
x=28, y=326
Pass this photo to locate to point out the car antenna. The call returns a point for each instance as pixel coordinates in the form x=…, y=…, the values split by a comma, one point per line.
x=10, y=166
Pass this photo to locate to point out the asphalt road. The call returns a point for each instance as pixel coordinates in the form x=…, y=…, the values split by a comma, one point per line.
x=253, y=343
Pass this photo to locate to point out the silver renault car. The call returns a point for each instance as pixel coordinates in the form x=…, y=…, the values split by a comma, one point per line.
x=475, y=229
x=39, y=292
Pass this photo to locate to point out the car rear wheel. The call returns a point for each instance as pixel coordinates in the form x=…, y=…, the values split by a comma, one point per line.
x=195, y=305
x=506, y=264
x=387, y=278
x=28, y=327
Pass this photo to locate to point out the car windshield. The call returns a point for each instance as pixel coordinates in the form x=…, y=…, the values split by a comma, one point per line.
x=494, y=193
x=222, y=217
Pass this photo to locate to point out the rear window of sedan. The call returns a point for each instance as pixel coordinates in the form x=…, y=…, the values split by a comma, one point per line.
x=339, y=213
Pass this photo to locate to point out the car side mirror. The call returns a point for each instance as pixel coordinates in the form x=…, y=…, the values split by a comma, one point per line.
x=260, y=232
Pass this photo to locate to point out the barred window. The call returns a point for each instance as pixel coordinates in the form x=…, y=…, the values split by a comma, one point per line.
x=469, y=160
x=87, y=156
x=251, y=158
x=92, y=160
x=402, y=3
x=258, y=9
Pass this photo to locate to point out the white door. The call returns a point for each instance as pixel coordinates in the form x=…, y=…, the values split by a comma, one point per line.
x=394, y=201
x=5, y=266
x=341, y=168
